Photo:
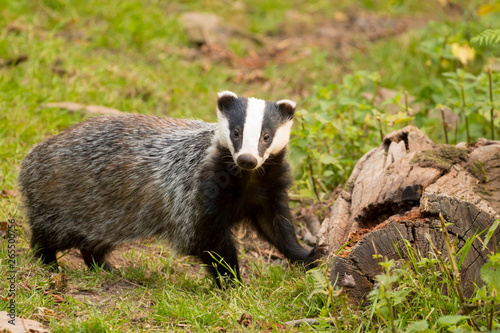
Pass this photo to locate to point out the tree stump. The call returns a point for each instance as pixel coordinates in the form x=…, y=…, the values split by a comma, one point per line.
x=396, y=191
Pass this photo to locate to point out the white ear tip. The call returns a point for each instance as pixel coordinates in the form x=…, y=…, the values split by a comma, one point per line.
x=287, y=101
x=226, y=93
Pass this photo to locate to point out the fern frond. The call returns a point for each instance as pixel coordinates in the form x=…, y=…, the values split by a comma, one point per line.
x=320, y=283
x=487, y=37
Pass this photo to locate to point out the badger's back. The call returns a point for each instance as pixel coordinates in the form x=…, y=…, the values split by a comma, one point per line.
x=114, y=179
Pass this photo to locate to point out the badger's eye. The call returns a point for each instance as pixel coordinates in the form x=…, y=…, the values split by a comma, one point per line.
x=266, y=137
x=236, y=133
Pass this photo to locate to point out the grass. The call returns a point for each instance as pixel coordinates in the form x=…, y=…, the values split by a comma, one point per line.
x=134, y=56
x=158, y=292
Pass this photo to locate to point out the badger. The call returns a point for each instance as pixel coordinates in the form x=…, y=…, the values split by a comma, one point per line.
x=110, y=180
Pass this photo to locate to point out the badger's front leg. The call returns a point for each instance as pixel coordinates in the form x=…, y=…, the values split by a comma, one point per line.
x=274, y=222
x=218, y=252
x=222, y=264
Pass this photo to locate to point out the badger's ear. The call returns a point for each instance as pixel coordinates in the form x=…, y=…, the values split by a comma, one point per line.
x=287, y=107
x=224, y=99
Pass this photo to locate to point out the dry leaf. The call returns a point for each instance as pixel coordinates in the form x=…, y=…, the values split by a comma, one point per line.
x=245, y=320
x=46, y=314
x=57, y=298
x=464, y=52
x=25, y=285
x=9, y=193
x=340, y=17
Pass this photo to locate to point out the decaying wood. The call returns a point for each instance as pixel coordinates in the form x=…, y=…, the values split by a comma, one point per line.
x=396, y=192
x=313, y=224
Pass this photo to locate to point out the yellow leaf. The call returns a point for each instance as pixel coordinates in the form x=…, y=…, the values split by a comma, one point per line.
x=488, y=9
x=464, y=52
x=340, y=17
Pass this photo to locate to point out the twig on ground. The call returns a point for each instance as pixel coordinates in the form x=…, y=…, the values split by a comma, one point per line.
x=309, y=321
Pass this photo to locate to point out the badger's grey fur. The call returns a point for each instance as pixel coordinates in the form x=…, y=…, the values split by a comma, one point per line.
x=115, y=179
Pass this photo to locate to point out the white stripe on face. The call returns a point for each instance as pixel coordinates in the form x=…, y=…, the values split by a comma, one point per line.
x=224, y=132
x=280, y=140
x=252, y=129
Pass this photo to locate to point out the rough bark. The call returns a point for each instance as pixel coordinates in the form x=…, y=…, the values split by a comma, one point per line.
x=396, y=192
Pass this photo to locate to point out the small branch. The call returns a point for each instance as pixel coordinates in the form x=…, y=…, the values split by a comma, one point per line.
x=462, y=91
x=445, y=125
x=315, y=187
x=440, y=58
x=467, y=128
x=381, y=131
x=492, y=110
x=312, y=223
x=323, y=187
x=455, y=276
x=14, y=61
x=309, y=321
x=406, y=103
x=490, y=319
x=451, y=257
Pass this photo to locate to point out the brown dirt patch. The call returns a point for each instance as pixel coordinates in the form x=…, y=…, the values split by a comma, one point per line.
x=341, y=35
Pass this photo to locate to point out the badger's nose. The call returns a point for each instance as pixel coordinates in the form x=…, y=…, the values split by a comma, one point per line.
x=247, y=162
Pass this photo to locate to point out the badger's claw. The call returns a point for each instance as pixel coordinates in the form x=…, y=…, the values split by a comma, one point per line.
x=318, y=252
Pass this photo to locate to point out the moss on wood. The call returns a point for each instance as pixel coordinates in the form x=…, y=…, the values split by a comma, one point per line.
x=441, y=157
x=477, y=170
x=349, y=186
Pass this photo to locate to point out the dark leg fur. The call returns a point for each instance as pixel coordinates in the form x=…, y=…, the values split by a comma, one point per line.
x=274, y=223
x=42, y=251
x=46, y=256
x=222, y=261
x=96, y=258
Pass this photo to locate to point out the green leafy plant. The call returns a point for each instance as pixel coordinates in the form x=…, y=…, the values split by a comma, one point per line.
x=417, y=293
x=340, y=126
x=487, y=37
x=342, y=121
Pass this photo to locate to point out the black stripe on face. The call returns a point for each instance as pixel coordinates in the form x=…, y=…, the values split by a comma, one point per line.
x=273, y=119
x=235, y=111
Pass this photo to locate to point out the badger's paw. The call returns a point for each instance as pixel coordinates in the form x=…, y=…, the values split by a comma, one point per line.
x=313, y=259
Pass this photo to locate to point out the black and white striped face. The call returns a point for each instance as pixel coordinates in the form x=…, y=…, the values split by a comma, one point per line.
x=253, y=129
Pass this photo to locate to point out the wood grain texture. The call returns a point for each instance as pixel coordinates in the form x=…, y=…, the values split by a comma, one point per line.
x=396, y=191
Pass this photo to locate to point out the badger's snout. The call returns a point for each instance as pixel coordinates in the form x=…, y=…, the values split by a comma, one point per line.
x=247, y=162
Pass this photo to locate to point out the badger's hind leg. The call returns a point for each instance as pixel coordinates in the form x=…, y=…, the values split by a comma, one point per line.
x=45, y=255
x=42, y=249
x=96, y=257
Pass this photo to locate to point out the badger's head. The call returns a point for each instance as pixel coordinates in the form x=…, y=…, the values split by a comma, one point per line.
x=253, y=129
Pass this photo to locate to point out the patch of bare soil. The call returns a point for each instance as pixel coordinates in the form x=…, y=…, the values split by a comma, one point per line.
x=352, y=28
x=253, y=246
x=73, y=259
x=339, y=35
x=300, y=31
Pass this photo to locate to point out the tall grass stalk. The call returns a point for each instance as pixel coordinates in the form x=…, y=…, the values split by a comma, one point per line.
x=492, y=110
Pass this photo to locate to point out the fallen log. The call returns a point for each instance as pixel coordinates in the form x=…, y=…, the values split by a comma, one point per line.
x=397, y=191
